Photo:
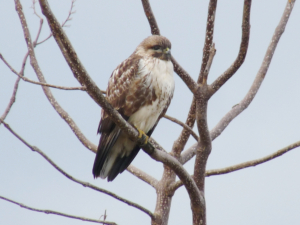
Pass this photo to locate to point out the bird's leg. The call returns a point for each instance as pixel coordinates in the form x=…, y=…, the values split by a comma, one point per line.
x=143, y=138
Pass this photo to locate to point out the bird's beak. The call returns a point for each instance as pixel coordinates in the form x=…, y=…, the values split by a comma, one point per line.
x=167, y=51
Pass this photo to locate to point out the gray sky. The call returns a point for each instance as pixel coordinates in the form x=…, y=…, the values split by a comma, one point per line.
x=104, y=33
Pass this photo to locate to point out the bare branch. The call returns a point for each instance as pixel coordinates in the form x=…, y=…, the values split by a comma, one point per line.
x=237, y=109
x=81, y=75
x=40, y=83
x=216, y=85
x=64, y=115
x=183, y=125
x=242, y=105
x=190, y=121
x=142, y=175
x=210, y=26
x=253, y=162
x=244, y=165
x=64, y=24
x=47, y=211
x=155, y=31
x=151, y=18
x=212, y=53
x=187, y=79
x=85, y=184
x=11, y=101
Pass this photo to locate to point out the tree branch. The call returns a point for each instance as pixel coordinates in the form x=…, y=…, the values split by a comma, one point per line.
x=242, y=105
x=217, y=84
x=82, y=76
x=11, y=101
x=40, y=83
x=237, y=109
x=85, y=184
x=183, y=125
x=253, y=162
x=142, y=175
x=155, y=31
x=210, y=26
x=62, y=25
x=57, y=213
x=243, y=165
x=151, y=18
x=64, y=115
x=190, y=121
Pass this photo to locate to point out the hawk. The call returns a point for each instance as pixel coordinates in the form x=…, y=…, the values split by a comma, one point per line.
x=140, y=89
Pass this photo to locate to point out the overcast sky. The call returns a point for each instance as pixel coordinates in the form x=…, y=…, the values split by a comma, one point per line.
x=104, y=33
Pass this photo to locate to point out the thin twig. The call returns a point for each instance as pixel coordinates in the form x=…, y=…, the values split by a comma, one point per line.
x=47, y=211
x=85, y=184
x=183, y=125
x=40, y=83
x=243, y=165
x=63, y=24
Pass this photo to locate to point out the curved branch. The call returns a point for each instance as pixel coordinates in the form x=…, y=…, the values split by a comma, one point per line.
x=57, y=213
x=221, y=80
x=251, y=163
x=243, y=165
x=85, y=184
x=183, y=125
x=142, y=175
x=151, y=18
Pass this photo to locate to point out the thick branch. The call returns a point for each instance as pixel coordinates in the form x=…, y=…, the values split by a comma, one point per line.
x=85, y=184
x=47, y=211
x=150, y=17
x=216, y=85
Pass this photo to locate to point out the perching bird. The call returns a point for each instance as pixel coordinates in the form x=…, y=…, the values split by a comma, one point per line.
x=141, y=89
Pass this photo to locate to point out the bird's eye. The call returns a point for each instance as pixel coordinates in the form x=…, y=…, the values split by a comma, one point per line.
x=156, y=47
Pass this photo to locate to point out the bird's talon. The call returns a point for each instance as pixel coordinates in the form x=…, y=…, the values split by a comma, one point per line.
x=142, y=136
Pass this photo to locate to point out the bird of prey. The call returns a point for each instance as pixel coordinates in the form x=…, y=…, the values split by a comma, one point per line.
x=140, y=89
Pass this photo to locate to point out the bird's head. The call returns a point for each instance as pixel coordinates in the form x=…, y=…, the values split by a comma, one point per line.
x=155, y=46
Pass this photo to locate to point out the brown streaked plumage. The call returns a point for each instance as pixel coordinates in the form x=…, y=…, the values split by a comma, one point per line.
x=141, y=89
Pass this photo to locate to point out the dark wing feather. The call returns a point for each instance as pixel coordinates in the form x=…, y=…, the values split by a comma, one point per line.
x=122, y=163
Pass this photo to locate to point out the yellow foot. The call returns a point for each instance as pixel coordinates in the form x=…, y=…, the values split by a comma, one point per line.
x=142, y=136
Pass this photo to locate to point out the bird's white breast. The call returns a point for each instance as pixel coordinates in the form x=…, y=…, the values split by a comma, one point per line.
x=159, y=76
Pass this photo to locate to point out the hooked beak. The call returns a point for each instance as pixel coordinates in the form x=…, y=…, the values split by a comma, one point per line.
x=167, y=51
